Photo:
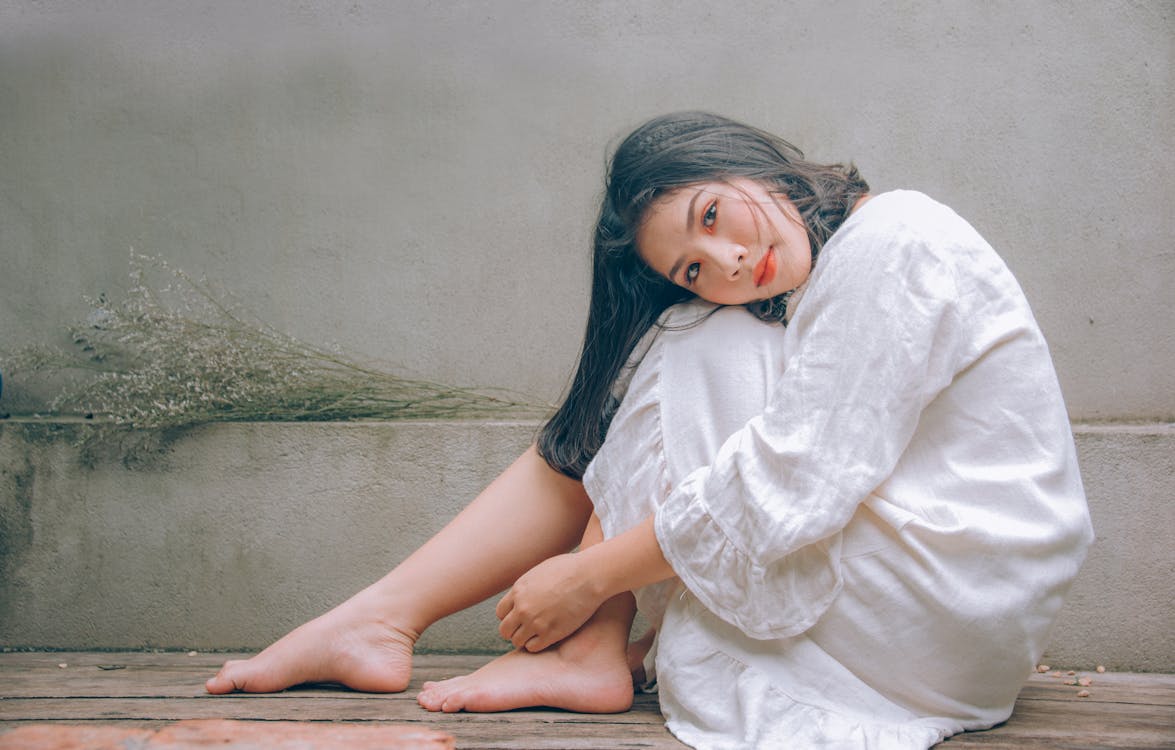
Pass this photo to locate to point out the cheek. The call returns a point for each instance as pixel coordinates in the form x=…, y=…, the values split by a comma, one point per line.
x=651, y=251
x=722, y=295
x=649, y=261
x=750, y=226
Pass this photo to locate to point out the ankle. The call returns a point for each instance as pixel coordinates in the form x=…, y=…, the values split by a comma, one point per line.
x=387, y=613
x=616, y=616
x=607, y=631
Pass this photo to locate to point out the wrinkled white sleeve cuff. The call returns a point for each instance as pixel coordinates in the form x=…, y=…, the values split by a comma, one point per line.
x=764, y=599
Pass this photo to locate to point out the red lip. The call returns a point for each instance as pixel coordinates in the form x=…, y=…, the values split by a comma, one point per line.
x=764, y=270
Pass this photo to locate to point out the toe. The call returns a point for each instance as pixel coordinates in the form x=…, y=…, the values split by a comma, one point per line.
x=222, y=683
x=219, y=685
x=438, y=696
x=430, y=698
x=453, y=703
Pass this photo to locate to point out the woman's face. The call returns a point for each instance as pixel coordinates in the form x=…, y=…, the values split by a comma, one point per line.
x=728, y=242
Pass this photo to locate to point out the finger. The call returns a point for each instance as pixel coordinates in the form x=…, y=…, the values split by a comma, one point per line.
x=505, y=605
x=547, y=636
x=521, y=636
x=508, y=625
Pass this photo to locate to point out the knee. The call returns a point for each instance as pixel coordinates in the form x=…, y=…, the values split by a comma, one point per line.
x=715, y=375
x=705, y=374
x=726, y=352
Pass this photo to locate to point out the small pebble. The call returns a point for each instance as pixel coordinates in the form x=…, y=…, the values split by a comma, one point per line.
x=1085, y=681
x=1042, y=668
x=192, y=653
x=63, y=665
x=1101, y=669
x=1083, y=693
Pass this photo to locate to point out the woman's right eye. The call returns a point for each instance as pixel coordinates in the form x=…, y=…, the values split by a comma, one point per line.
x=691, y=272
x=710, y=215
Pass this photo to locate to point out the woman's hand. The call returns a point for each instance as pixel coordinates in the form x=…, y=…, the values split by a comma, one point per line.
x=554, y=598
x=548, y=603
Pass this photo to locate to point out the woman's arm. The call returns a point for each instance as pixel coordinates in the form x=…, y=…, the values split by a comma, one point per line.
x=553, y=599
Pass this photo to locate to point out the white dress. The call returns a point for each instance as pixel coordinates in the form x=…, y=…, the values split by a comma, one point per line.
x=874, y=512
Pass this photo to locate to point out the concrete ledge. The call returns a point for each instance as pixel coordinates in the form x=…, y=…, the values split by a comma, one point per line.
x=226, y=536
x=1122, y=606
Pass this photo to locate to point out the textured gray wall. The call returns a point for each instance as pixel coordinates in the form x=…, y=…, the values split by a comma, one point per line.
x=416, y=181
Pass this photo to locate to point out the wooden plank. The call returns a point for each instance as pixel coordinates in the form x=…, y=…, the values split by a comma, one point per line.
x=272, y=708
x=153, y=690
x=242, y=735
x=163, y=675
x=517, y=735
x=522, y=736
x=16, y=660
x=1110, y=687
x=1012, y=742
x=186, y=681
x=41, y=679
x=1054, y=725
x=140, y=675
x=1044, y=723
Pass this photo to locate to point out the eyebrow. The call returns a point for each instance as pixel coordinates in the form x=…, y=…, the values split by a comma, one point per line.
x=689, y=225
x=689, y=211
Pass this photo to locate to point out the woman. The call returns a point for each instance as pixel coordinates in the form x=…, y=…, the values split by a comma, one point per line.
x=851, y=530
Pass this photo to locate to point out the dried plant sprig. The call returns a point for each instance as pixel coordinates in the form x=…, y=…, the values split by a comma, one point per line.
x=182, y=355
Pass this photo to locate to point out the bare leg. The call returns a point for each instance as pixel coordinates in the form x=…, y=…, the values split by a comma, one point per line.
x=586, y=672
x=636, y=653
x=529, y=513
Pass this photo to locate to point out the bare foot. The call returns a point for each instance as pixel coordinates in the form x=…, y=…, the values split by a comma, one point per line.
x=348, y=645
x=584, y=673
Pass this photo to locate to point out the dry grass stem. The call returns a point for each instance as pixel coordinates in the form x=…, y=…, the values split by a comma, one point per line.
x=181, y=355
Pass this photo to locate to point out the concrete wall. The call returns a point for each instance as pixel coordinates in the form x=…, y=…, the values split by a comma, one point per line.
x=230, y=535
x=416, y=180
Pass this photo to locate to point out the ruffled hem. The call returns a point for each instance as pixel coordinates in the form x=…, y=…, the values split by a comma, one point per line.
x=796, y=725
x=717, y=702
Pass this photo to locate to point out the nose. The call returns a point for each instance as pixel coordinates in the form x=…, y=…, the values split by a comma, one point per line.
x=731, y=260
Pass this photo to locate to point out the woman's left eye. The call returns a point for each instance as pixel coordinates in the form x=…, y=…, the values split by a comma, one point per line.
x=691, y=272
x=710, y=215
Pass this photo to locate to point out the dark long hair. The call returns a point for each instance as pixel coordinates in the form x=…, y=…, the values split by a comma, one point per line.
x=663, y=155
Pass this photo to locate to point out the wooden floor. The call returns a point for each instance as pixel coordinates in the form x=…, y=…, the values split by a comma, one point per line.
x=150, y=690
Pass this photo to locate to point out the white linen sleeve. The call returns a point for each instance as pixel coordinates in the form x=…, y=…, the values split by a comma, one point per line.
x=756, y=535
